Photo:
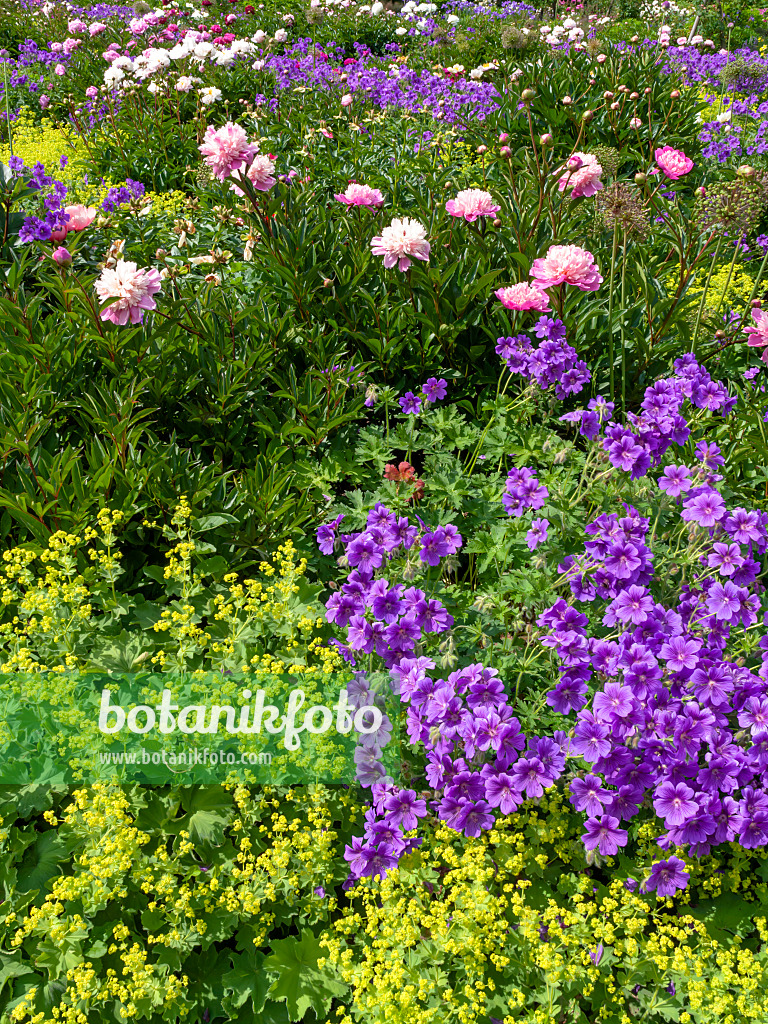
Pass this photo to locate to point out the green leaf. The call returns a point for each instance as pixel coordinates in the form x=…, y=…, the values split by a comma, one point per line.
x=299, y=981
x=41, y=862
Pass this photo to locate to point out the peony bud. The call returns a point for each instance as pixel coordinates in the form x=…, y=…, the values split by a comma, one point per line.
x=527, y=95
x=719, y=335
x=640, y=178
x=675, y=94
x=647, y=92
x=505, y=152
x=546, y=139
x=62, y=256
x=327, y=282
x=757, y=303
x=346, y=99
x=587, y=115
x=567, y=101
x=496, y=222
x=607, y=95
x=634, y=95
x=503, y=137
x=482, y=149
x=745, y=171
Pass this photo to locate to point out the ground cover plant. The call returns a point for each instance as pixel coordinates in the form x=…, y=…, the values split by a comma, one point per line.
x=422, y=342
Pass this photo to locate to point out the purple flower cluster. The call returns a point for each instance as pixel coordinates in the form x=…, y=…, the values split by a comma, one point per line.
x=643, y=441
x=523, y=491
x=122, y=194
x=554, y=361
x=380, y=618
x=667, y=718
x=40, y=229
x=433, y=391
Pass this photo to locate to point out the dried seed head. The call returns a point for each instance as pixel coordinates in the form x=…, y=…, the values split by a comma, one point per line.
x=621, y=205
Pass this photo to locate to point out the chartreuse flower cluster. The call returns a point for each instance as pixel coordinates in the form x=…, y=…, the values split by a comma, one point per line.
x=60, y=604
x=508, y=925
x=121, y=933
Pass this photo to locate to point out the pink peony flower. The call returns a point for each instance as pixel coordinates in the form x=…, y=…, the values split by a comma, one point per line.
x=91, y=92
x=567, y=264
x=96, y=28
x=360, y=195
x=131, y=288
x=583, y=180
x=45, y=101
x=472, y=203
x=400, y=240
x=523, y=296
x=227, y=149
x=59, y=70
x=346, y=100
x=758, y=335
x=260, y=174
x=80, y=217
x=673, y=162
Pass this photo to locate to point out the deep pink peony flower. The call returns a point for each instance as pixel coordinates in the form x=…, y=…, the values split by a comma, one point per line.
x=758, y=332
x=80, y=217
x=400, y=240
x=585, y=179
x=567, y=264
x=472, y=203
x=226, y=150
x=523, y=296
x=260, y=174
x=131, y=288
x=673, y=162
x=360, y=195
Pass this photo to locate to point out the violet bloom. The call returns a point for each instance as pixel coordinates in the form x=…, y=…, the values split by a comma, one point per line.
x=680, y=653
x=434, y=390
x=434, y=546
x=667, y=877
x=537, y=533
x=633, y=605
x=674, y=803
x=675, y=480
x=726, y=558
x=588, y=794
x=724, y=600
x=410, y=404
x=404, y=808
x=501, y=791
x=605, y=834
x=705, y=509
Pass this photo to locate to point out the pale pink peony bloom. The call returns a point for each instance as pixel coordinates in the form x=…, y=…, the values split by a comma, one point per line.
x=59, y=70
x=360, y=195
x=523, y=296
x=567, y=264
x=472, y=203
x=673, y=162
x=346, y=100
x=261, y=174
x=584, y=180
x=131, y=288
x=45, y=101
x=80, y=217
x=400, y=240
x=96, y=28
x=758, y=332
x=227, y=149
x=91, y=92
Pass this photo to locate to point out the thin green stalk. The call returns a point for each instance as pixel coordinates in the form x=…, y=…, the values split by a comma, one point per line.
x=704, y=293
x=7, y=107
x=623, y=317
x=728, y=282
x=610, y=303
x=754, y=288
